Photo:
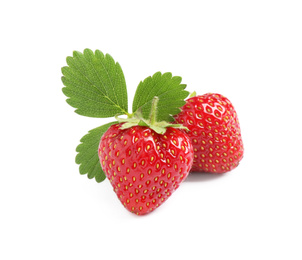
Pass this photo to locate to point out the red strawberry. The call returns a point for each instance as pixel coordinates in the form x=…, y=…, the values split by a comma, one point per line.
x=145, y=167
x=214, y=133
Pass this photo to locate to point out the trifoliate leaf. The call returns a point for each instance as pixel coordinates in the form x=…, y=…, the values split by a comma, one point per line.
x=88, y=157
x=94, y=84
x=168, y=89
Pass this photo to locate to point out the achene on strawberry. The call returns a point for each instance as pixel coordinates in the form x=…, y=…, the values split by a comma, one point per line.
x=145, y=167
x=214, y=131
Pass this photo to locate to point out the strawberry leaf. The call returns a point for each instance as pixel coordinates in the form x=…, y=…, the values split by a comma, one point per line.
x=95, y=85
x=168, y=89
x=88, y=157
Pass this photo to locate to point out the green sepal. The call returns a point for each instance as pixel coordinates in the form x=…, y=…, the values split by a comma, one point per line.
x=193, y=94
x=137, y=119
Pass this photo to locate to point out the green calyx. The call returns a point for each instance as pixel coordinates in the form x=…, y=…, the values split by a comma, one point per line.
x=137, y=119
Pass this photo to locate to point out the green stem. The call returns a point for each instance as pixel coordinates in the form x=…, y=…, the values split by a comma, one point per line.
x=153, y=110
x=128, y=114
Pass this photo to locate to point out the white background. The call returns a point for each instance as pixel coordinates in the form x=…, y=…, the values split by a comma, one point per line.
x=249, y=51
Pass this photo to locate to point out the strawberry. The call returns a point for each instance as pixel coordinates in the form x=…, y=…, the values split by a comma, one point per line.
x=214, y=132
x=145, y=167
x=143, y=154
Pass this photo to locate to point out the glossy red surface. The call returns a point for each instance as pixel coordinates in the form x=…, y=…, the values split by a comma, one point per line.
x=144, y=167
x=214, y=132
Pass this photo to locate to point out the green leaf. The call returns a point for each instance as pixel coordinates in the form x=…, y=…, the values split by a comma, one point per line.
x=94, y=84
x=168, y=89
x=88, y=157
